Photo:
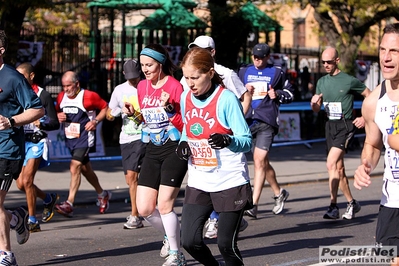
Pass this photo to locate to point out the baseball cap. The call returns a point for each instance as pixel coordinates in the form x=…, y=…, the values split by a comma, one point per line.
x=131, y=69
x=203, y=41
x=261, y=50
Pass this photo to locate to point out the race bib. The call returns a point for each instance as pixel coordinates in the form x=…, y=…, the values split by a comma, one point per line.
x=72, y=130
x=203, y=156
x=333, y=110
x=393, y=161
x=155, y=118
x=260, y=90
x=29, y=128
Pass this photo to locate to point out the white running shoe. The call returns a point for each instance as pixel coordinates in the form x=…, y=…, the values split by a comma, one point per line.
x=175, y=259
x=165, y=248
x=351, y=209
x=211, y=227
x=133, y=222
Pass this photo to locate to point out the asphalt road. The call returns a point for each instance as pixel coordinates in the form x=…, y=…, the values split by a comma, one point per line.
x=291, y=238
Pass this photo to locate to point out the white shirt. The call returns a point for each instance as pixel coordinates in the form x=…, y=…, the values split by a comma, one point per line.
x=230, y=80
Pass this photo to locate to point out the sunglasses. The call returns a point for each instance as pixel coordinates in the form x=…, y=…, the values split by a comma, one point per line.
x=258, y=57
x=328, y=62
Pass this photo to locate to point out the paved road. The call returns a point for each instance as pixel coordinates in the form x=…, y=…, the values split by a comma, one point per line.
x=291, y=238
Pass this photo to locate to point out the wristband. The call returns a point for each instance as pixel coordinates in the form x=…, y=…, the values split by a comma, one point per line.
x=170, y=110
x=11, y=121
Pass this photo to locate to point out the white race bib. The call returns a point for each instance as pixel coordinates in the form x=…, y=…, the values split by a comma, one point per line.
x=203, y=156
x=155, y=118
x=260, y=90
x=334, y=110
x=72, y=130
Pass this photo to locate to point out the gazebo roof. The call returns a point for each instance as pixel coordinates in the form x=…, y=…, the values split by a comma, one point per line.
x=258, y=19
x=172, y=15
x=137, y=4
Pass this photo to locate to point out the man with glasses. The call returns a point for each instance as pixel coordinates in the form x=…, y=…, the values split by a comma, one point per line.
x=336, y=92
x=269, y=88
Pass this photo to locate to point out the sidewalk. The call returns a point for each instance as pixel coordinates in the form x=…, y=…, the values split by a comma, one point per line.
x=293, y=165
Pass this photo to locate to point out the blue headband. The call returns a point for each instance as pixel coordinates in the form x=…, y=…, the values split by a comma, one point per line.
x=161, y=58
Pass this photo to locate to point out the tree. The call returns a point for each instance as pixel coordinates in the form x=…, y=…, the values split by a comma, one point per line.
x=229, y=30
x=12, y=14
x=345, y=23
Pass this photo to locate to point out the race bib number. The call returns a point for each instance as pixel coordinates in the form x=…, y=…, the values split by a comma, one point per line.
x=334, y=110
x=203, y=156
x=260, y=90
x=155, y=118
x=29, y=128
x=393, y=161
x=72, y=130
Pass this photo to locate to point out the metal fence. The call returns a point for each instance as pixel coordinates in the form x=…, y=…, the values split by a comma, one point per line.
x=70, y=49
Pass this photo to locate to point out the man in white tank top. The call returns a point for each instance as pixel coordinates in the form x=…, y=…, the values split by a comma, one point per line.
x=379, y=111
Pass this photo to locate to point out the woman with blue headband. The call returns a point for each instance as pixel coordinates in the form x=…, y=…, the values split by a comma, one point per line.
x=161, y=172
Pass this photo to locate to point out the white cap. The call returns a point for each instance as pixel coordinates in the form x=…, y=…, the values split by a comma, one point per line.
x=203, y=42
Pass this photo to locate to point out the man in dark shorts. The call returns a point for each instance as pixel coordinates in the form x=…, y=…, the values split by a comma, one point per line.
x=76, y=109
x=270, y=89
x=132, y=148
x=19, y=105
x=336, y=92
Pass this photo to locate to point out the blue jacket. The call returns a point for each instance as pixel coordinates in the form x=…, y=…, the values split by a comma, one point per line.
x=267, y=110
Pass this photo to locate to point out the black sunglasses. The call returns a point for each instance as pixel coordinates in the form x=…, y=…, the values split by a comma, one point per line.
x=258, y=57
x=329, y=62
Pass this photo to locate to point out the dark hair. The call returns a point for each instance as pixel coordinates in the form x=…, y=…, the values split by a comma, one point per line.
x=168, y=67
x=3, y=39
x=27, y=67
x=202, y=60
x=391, y=28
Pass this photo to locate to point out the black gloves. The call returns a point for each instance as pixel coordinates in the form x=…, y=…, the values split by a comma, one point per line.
x=219, y=141
x=183, y=151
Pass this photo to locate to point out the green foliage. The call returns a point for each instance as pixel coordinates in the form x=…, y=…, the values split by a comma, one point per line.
x=12, y=13
x=345, y=23
x=59, y=17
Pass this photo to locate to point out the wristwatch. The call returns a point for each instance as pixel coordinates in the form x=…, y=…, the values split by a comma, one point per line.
x=12, y=121
x=169, y=108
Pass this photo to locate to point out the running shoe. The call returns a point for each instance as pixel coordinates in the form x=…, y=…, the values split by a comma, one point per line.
x=133, y=222
x=103, y=202
x=48, y=211
x=33, y=227
x=243, y=225
x=7, y=259
x=165, y=248
x=65, y=209
x=279, y=201
x=211, y=227
x=21, y=228
x=352, y=208
x=175, y=259
x=252, y=212
x=332, y=213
